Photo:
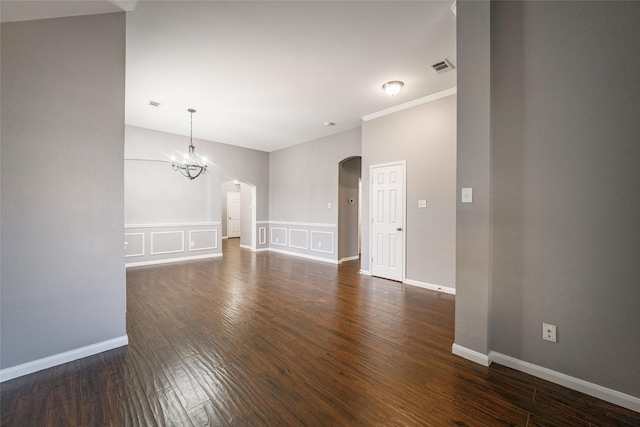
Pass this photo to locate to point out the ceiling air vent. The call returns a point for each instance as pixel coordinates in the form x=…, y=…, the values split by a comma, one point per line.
x=442, y=66
x=154, y=103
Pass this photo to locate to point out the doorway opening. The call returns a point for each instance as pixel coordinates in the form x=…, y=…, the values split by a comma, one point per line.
x=238, y=218
x=349, y=210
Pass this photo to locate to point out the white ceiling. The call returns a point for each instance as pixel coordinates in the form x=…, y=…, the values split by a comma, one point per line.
x=267, y=75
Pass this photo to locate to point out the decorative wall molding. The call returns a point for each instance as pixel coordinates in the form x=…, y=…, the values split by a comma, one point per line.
x=431, y=286
x=298, y=231
x=304, y=224
x=314, y=243
x=60, y=358
x=275, y=240
x=262, y=235
x=203, y=248
x=595, y=390
x=127, y=243
x=170, y=260
x=414, y=103
x=182, y=224
x=157, y=233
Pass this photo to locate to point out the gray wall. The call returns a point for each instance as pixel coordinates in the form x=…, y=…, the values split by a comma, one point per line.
x=350, y=173
x=304, y=178
x=424, y=136
x=566, y=174
x=562, y=166
x=473, y=230
x=245, y=215
x=156, y=194
x=63, y=278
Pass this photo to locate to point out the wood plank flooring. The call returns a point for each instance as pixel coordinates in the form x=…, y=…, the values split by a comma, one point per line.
x=269, y=340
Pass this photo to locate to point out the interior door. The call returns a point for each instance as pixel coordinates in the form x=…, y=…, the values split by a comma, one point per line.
x=387, y=221
x=233, y=214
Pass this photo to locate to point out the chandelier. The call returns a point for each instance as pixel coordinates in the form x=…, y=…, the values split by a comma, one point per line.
x=191, y=168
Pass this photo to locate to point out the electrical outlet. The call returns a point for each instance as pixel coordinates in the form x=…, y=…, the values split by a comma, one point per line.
x=319, y=244
x=549, y=332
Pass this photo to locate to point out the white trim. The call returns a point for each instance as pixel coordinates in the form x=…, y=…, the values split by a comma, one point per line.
x=182, y=224
x=126, y=243
x=262, y=222
x=261, y=250
x=254, y=216
x=365, y=272
x=262, y=235
x=224, y=237
x=306, y=238
x=167, y=232
x=296, y=254
x=445, y=289
x=349, y=258
x=170, y=260
x=60, y=358
x=304, y=224
x=246, y=247
x=322, y=250
x=410, y=104
x=215, y=233
x=278, y=243
x=472, y=355
x=595, y=390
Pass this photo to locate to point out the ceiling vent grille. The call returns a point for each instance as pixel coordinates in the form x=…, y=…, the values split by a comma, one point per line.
x=442, y=67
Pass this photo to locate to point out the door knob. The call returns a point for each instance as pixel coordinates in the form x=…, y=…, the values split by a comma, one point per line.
x=399, y=228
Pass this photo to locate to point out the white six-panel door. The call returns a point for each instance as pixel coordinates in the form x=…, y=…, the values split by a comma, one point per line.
x=233, y=214
x=387, y=221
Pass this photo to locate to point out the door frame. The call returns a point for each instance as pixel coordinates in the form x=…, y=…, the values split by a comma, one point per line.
x=403, y=163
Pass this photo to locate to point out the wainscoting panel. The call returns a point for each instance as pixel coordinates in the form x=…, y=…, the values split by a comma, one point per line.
x=322, y=241
x=262, y=235
x=307, y=240
x=298, y=238
x=167, y=242
x=279, y=236
x=133, y=244
x=148, y=244
x=201, y=240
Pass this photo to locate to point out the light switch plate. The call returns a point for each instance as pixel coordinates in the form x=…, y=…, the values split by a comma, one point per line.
x=467, y=195
x=422, y=203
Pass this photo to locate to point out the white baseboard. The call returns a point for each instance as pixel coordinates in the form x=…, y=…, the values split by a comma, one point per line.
x=474, y=356
x=170, y=260
x=595, y=390
x=245, y=247
x=445, y=289
x=60, y=358
x=262, y=250
x=349, y=258
x=224, y=237
x=296, y=254
x=365, y=272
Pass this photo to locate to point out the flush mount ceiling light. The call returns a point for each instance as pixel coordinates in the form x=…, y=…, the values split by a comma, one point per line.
x=191, y=167
x=392, y=88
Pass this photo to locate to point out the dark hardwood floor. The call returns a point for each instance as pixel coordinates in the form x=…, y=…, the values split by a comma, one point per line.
x=269, y=340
